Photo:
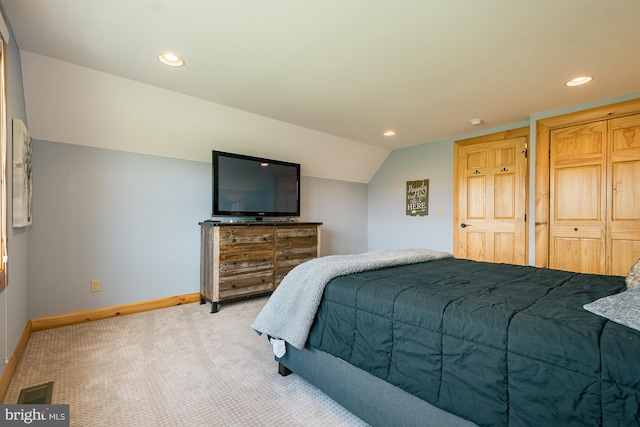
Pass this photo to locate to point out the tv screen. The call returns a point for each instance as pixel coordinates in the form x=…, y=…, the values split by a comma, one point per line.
x=253, y=186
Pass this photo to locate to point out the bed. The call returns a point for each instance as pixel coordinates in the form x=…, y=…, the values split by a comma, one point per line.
x=448, y=341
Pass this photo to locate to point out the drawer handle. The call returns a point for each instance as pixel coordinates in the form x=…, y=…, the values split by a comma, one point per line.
x=233, y=285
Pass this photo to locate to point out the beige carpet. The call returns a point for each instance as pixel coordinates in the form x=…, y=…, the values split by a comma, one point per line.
x=178, y=366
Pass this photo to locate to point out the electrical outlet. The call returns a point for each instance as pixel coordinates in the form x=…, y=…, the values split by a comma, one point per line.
x=95, y=285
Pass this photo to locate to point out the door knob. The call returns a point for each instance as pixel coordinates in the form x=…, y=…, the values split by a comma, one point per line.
x=463, y=225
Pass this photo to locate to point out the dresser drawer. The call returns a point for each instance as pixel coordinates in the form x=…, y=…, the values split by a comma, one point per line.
x=288, y=258
x=240, y=262
x=246, y=284
x=238, y=239
x=293, y=256
x=296, y=237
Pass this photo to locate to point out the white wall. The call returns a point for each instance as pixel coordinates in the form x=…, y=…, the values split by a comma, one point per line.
x=76, y=105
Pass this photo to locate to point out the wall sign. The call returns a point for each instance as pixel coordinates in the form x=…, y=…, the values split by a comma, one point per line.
x=418, y=197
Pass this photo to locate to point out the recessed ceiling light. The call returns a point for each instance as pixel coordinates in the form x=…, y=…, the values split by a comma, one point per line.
x=171, y=60
x=579, y=81
x=389, y=133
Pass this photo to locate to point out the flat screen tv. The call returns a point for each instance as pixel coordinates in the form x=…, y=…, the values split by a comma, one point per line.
x=245, y=186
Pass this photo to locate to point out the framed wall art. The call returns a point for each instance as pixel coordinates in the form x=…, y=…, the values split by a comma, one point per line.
x=22, y=175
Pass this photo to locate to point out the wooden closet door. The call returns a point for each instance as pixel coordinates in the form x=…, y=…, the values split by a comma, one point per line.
x=491, y=201
x=623, y=209
x=577, y=200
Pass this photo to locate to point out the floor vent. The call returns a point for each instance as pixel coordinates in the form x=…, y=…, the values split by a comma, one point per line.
x=39, y=394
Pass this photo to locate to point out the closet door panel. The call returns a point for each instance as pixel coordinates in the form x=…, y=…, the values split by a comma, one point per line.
x=626, y=191
x=624, y=253
x=623, y=210
x=584, y=255
x=578, y=193
x=577, y=226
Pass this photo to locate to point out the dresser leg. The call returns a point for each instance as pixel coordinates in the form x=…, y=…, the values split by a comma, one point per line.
x=215, y=306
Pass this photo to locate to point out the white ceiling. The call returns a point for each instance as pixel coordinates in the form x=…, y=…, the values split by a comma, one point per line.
x=355, y=68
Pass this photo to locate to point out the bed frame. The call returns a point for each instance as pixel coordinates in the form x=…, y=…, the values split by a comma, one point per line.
x=371, y=399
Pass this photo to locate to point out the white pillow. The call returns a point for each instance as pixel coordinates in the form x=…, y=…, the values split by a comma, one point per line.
x=622, y=308
x=633, y=278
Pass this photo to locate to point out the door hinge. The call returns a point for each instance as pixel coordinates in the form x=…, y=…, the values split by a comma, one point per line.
x=525, y=217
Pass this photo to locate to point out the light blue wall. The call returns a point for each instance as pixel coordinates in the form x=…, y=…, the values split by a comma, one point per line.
x=15, y=296
x=131, y=220
x=341, y=206
x=127, y=219
x=389, y=227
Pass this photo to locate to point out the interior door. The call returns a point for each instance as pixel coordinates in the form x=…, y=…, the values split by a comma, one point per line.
x=577, y=200
x=623, y=210
x=491, y=201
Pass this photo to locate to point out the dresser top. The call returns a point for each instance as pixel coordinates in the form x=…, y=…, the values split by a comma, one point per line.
x=209, y=223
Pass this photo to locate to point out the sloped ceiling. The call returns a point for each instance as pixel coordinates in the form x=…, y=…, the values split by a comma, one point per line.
x=311, y=81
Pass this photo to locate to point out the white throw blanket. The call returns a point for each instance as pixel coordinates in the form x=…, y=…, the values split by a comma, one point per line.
x=291, y=309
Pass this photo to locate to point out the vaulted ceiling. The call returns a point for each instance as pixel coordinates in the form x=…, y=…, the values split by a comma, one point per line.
x=341, y=72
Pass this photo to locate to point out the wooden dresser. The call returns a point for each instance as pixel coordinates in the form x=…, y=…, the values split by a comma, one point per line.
x=242, y=260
